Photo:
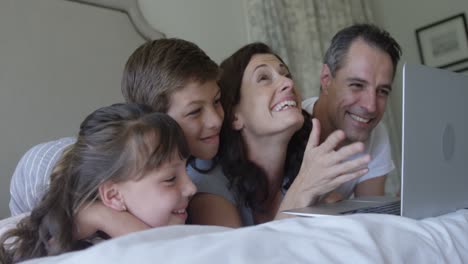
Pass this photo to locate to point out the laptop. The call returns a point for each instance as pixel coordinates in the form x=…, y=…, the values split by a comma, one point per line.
x=434, y=168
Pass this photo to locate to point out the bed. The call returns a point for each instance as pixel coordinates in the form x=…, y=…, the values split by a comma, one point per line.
x=359, y=238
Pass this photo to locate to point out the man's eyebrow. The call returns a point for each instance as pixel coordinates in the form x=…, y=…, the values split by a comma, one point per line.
x=356, y=79
x=360, y=80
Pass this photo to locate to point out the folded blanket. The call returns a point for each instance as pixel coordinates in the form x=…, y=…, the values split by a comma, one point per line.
x=360, y=238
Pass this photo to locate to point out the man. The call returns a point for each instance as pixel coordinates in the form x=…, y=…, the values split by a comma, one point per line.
x=356, y=80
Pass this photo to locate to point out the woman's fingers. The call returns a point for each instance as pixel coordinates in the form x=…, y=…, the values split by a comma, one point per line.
x=332, y=142
x=350, y=165
x=345, y=153
x=348, y=177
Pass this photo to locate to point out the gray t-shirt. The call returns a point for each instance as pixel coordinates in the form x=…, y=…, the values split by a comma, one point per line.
x=215, y=182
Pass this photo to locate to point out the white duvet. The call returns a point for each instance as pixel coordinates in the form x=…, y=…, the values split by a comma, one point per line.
x=361, y=238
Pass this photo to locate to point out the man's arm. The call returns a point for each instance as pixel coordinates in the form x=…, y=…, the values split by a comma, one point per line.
x=371, y=187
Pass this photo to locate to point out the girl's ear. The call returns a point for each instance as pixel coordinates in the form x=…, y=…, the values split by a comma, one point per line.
x=111, y=196
x=325, y=78
x=237, y=123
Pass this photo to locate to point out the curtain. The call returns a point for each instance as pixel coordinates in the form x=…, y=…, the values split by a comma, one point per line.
x=300, y=32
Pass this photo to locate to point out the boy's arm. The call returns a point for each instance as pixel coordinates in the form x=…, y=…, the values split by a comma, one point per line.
x=212, y=209
x=97, y=216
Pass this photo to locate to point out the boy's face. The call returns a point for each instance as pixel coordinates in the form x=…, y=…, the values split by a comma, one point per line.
x=161, y=196
x=197, y=108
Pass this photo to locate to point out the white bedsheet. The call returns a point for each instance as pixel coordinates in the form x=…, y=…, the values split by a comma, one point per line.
x=361, y=238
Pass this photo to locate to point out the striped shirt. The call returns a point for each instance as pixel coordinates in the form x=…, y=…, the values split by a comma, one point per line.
x=31, y=177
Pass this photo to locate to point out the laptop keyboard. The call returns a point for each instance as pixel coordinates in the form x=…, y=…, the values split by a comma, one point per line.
x=391, y=208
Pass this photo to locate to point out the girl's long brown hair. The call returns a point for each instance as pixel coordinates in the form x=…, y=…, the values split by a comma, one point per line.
x=118, y=142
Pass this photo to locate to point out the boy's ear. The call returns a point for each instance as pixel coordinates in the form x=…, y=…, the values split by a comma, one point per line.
x=325, y=78
x=111, y=196
x=237, y=123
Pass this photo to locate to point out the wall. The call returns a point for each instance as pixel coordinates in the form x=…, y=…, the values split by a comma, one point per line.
x=401, y=18
x=217, y=26
x=60, y=60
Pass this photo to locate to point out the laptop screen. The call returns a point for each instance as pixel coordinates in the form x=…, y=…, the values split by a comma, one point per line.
x=434, y=167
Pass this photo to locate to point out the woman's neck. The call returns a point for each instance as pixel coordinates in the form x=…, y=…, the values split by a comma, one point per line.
x=269, y=153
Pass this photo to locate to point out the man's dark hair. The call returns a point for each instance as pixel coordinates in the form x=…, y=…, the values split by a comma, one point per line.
x=372, y=35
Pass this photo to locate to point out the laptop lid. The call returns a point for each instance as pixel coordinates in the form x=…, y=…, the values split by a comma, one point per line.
x=434, y=167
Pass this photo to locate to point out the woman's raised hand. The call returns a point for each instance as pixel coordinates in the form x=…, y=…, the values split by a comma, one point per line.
x=324, y=168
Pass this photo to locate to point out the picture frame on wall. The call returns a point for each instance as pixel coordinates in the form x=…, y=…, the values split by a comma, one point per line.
x=444, y=43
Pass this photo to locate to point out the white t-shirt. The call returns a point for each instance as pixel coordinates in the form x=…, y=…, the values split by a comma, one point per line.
x=377, y=145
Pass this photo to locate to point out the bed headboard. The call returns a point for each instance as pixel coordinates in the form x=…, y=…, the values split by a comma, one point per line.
x=132, y=9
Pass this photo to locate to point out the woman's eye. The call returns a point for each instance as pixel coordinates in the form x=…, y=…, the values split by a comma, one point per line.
x=262, y=78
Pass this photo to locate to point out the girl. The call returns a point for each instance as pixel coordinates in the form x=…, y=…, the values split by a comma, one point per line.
x=127, y=159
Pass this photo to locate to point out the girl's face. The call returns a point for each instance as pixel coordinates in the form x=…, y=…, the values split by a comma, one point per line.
x=269, y=102
x=161, y=196
x=197, y=109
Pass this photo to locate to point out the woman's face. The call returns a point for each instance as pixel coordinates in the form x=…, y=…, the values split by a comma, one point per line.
x=197, y=109
x=269, y=102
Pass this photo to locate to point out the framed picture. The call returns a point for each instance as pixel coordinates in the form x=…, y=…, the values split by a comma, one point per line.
x=443, y=43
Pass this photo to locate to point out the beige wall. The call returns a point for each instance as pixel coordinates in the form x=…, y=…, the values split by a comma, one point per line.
x=60, y=60
x=217, y=26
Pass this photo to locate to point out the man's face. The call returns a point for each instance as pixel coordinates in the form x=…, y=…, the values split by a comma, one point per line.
x=357, y=95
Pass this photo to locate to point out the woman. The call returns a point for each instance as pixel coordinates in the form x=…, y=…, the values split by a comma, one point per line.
x=268, y=163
